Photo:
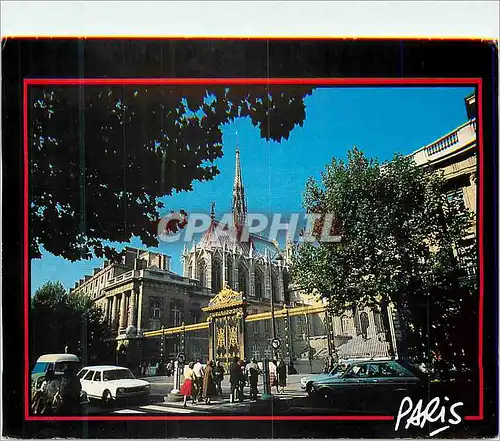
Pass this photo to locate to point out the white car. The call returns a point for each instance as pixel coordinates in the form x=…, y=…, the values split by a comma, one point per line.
x=108, y=383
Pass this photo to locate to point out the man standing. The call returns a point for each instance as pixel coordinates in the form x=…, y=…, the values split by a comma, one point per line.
x=198, y=373
x=252, y=371
x=69, y=393
x=235, y=374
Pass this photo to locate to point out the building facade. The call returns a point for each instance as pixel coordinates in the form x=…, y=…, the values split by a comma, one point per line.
x=140, y=294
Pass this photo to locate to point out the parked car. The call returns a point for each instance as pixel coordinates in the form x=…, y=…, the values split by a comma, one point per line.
x=56, y=362
x=368, y=385
x=109, y=383
x=307, y=381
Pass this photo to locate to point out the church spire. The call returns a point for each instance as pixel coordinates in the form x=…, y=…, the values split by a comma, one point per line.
x=239, y=201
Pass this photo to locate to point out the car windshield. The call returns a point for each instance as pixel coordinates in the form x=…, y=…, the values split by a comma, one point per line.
x=338, y=370
x=39, y=367
x=59, y=366
x=117, y=374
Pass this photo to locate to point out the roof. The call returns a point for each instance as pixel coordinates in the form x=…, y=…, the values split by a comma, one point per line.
x=220, y=237
x=50, y=358
x=105, y=368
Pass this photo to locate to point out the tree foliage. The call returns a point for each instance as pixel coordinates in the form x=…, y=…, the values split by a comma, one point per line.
x=59, y=319
x=404, y=240
x=101, y=158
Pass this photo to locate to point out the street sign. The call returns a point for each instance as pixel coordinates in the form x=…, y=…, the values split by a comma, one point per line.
x=181, y=358
x=276, y=343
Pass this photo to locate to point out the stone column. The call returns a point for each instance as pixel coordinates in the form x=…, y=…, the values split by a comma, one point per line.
x=122, y=312
x=139, y=308
x=132, y=309
x=108, y=311
x=114, y=308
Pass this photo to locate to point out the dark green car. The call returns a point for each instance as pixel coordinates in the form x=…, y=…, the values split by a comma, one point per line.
x=375, y=386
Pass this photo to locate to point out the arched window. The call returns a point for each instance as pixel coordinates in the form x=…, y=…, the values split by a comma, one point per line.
x=274, y=287
x=216, y=276
x=190, y=270
x=379, y=324
x=229, y=270
x=259, y=284
x=242, y=279
x=202, y=273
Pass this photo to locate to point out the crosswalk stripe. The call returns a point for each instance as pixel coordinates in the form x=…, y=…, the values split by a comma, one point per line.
x=167, y=409
x=128, y=411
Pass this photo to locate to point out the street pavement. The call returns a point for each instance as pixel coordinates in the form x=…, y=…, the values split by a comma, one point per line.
x=161, y=386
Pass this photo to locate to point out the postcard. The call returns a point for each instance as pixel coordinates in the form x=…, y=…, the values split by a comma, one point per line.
x=249, y=238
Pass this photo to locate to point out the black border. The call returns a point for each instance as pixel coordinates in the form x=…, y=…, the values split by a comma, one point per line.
x=78, y=58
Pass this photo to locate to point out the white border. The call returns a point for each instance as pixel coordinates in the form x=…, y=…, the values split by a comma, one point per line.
x=361, y=19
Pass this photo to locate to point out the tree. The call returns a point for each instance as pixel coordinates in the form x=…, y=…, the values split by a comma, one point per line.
x=402, y=242
x=101, y=158
x=59, y=319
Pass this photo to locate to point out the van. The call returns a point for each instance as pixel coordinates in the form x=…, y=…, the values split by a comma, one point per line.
x=56, y=362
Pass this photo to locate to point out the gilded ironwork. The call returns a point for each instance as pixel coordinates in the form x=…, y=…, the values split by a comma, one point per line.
x=221, y=337
x=233, y=336
x=226, y=296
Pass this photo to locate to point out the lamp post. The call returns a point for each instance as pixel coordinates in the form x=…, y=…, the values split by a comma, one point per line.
x=273, y=322
x=164, y=347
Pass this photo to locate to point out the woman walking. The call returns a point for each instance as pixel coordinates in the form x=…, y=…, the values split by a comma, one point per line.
x=209, y=389
x=281, y=372
x=272, y=376
x=187, y=387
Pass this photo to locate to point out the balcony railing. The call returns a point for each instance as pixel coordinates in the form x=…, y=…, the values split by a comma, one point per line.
x=460, y=138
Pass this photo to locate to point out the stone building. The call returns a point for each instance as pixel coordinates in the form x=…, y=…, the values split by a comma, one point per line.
x=455, y=155
x=140, y=294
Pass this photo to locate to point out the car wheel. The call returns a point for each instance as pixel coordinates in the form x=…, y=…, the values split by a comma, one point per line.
x=106, y=397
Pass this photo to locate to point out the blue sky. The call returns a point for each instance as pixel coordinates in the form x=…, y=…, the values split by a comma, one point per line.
x=380, y=121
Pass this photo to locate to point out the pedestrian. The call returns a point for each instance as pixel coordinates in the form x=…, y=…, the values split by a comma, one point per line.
x=252, y=372
x=272, y=376
x=170, y=368
x=49, y=389
x=209, y=389
x=199, y=372
x=68, y=395
x=219, y=376
x=234, y=378
x=187, y=388
x=241, y=387
x=281, y=374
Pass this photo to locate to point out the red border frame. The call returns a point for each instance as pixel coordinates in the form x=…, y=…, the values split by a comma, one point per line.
x=477, y=82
